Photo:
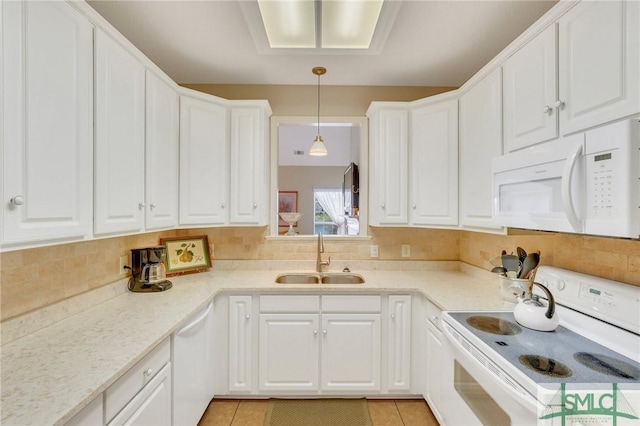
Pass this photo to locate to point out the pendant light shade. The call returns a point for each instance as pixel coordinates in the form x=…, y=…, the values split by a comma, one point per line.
x=318, y=148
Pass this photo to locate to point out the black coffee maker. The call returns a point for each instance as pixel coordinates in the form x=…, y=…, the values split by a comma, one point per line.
x=148, y=272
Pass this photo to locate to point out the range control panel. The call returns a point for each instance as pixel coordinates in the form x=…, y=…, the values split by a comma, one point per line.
x=608, y=300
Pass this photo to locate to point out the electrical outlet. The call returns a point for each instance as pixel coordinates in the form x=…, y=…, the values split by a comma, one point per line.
x=211, y=250
x=124, y=259
x=406, y=250
x=374, y=251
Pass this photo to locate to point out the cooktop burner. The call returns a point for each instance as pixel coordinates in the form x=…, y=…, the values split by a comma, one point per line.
x=546, y=366
x=494, y=325
x=608, y=365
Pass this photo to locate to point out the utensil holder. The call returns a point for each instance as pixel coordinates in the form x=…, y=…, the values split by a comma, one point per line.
x=512, y=288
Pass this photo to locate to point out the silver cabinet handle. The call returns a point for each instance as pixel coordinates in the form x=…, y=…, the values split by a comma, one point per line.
x=315, y=331
x=247, y=316
x=152, y=206
x=413, y=206
x=382, y=205
x=141, y=206
x=324, y=331
x=547, y=109
x=18, y=200
x=559, y=104
x=148, y=372
x=393, y=316
x=255, y=205
x=223, y=205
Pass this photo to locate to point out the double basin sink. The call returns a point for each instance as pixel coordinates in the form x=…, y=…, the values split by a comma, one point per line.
x=319, y=278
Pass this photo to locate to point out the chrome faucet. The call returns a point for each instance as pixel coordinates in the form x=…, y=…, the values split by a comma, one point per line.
x=319, y=262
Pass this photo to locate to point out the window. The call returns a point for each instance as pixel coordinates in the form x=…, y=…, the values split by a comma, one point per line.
x=323, y=211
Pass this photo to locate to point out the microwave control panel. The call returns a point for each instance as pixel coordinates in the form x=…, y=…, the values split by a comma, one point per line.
x=613, y=180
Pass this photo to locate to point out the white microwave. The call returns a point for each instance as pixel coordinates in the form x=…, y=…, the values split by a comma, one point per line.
x=584, y=183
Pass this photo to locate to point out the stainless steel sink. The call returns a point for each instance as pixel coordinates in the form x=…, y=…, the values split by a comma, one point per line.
x=342, y=278
x=324, y=278
x=298, y=278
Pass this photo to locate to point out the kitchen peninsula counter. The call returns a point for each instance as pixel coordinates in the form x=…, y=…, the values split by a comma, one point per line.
x=50, y=374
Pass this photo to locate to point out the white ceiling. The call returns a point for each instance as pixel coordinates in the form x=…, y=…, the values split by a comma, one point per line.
x=432, y=43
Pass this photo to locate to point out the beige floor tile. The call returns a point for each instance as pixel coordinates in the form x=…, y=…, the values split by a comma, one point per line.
x=250, y=413
x=384, y=412
x=415, y=413
x=219, y=413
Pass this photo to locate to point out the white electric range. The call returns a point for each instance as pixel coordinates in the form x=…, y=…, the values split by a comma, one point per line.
x=587, y=371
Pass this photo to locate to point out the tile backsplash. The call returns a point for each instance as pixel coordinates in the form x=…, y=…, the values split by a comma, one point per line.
x=34, y=278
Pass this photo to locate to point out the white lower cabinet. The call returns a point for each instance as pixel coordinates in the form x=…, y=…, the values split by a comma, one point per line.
x=350, y=352
x=142, y=396
x=331, y=344
x=399, y=343
x=240, y=343
x=435, y=354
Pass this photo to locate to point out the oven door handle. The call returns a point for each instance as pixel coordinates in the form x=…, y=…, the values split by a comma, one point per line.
x=520, y=394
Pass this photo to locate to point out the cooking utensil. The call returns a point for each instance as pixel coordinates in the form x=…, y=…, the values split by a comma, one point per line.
x=499, y=270
x=510, y=262
x=521, y=254
x=530, y=263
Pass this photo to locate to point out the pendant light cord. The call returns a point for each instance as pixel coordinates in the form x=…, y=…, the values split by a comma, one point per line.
x=318, y=104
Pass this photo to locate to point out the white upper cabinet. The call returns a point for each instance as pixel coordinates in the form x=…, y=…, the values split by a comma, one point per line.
x=249, y=165
x=161, y=146
x=599, y=58
x=388, y=150
x=595, y=80
x=480, y=141
x=434, y=164
x=119, y=138
x=47, y=103
x=204, y=162
x=530, y=92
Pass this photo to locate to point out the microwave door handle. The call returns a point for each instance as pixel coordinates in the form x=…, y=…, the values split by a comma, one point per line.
x=567, y=198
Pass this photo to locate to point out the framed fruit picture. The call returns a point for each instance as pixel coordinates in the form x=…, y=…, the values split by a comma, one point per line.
x=186, y=254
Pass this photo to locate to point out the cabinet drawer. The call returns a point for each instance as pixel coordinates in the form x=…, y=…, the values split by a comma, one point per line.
x=279, y=303
x=351, y=304
x=127, y=386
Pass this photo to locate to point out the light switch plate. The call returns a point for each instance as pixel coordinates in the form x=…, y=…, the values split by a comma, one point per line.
x=406, y=250
x=374, y=251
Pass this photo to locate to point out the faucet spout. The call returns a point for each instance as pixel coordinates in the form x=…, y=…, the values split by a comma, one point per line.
x=319, y=262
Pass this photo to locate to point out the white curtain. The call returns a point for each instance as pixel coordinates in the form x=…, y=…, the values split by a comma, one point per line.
x=331, y=202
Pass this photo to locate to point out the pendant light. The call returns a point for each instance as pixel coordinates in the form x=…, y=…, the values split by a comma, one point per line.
x=318, y=148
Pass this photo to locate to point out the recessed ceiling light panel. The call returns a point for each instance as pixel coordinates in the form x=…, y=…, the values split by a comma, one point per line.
x=289, y=23
x=349, y=24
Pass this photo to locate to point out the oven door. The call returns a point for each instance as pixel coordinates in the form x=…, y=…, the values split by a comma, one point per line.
x=476, y=394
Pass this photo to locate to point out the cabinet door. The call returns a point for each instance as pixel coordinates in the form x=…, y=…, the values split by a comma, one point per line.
x=435, y=353
x=351, y=352
x=388, y=171
x=399, y=343
x=47, y=103
x=204, y=163
x=91, y=415
x=434, y=164
x=119, y=138
x=240, y=347
x=289, y=352
x=530, y=92
x=249, y=182
x=599, y=63
x=152, y=406
x=480, y=141
x=161, y=146
x=193, y=369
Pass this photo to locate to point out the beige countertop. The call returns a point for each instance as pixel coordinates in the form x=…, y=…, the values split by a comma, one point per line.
x=52, y=373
